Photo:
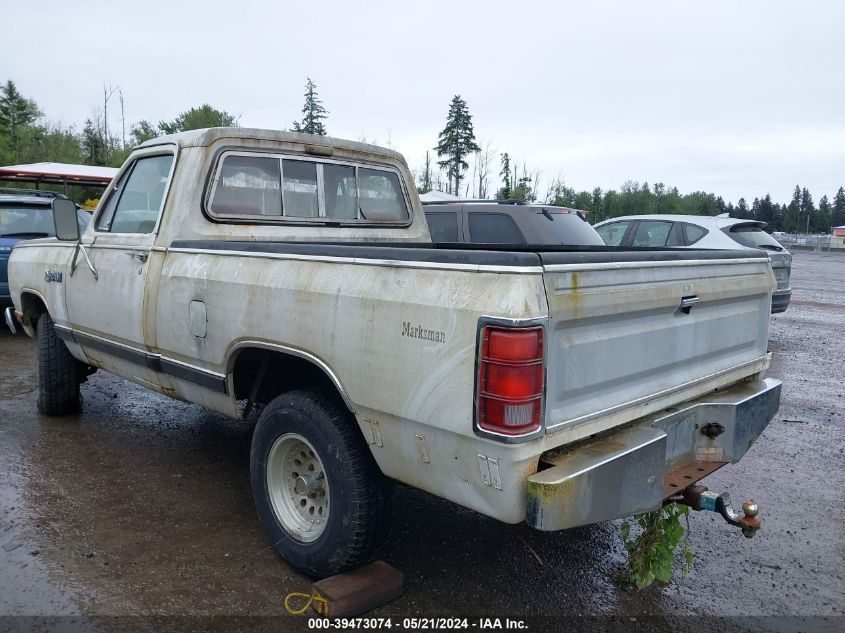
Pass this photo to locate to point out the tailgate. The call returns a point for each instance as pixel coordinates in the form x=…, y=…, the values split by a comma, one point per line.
x=620, y=344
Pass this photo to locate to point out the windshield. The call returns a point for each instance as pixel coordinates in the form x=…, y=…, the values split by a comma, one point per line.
x=25, y=221
x=754, y=237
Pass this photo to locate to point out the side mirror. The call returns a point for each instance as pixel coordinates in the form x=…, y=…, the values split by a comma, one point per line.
x=65, y=220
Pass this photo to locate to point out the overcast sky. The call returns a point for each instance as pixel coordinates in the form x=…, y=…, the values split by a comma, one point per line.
x=735, y=97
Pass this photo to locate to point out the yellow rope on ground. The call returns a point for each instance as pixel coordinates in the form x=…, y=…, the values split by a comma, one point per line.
x=321, y=606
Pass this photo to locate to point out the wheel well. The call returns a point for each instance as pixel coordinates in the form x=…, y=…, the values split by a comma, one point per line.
x=277, y=372
x=32, y=307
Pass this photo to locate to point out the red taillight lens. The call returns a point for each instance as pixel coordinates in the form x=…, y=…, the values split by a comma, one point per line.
x=510, y=380
x=514, y=345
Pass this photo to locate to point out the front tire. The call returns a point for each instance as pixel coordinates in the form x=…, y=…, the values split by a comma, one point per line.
x=58, y=372
x=319, y=494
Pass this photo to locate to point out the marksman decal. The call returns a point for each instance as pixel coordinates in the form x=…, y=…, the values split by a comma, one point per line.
x=418, y=331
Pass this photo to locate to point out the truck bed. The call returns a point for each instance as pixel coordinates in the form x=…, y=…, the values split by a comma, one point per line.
x=619, y=344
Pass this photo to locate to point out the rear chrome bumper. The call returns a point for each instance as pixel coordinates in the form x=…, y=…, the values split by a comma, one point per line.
x=634, y=469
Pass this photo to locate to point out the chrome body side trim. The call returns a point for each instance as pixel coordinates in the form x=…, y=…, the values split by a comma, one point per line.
x=156, y=362
x=556, y=268
x=534, y=270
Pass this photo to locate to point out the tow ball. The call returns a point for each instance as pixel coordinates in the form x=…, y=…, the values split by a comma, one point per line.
x=700, y=498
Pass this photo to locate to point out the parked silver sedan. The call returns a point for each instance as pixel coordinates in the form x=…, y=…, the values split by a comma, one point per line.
x=702, y=231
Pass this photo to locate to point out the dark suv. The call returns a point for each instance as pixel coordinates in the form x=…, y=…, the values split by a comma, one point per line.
x=25, y=215
x=507, y=222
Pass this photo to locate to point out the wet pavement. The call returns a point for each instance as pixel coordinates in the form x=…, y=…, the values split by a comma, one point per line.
x=141, y=506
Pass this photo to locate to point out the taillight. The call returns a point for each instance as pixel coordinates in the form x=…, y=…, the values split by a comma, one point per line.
x=510, y=380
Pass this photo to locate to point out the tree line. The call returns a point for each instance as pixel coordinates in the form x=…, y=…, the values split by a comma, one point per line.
x=462, y=166
x=457, y=143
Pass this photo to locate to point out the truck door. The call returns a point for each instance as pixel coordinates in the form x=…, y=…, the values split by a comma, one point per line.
x=110, y=312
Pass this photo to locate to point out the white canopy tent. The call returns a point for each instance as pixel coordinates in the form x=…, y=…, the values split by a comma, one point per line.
x=59, y=174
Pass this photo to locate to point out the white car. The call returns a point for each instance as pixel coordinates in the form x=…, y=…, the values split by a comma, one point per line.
x=702, y=232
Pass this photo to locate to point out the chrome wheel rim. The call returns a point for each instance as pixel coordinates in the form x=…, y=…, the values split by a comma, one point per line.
x=298, y=488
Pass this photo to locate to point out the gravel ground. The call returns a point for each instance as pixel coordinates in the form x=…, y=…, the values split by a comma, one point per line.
x=141, y=507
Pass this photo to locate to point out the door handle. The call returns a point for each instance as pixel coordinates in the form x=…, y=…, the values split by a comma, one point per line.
x=141, y=257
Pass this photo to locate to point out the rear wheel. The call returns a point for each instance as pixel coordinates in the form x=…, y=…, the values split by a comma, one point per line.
x=319, y=494
x=59, y=373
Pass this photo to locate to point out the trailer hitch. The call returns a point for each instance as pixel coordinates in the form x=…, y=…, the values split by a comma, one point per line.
x=699, y=497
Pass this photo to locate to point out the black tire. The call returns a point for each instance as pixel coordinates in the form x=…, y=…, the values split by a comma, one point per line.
x=58, y=372
x=357, y=498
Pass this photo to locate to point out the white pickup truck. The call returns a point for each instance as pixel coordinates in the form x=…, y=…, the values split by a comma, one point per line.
x=292, y=278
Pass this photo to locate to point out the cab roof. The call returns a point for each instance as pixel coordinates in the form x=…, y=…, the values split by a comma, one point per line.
x=207, y=136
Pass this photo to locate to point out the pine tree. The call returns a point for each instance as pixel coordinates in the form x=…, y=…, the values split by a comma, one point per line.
x=456, y=142
x=313, y=112
x=93, y=144
x=766, y=212
x=837, y=216
x=808, y=212
x=596, y=207
x=16, y=112
x=825, y=214
x=792, y=217
x=806, y=201
x=507, y=190
x=742, y=209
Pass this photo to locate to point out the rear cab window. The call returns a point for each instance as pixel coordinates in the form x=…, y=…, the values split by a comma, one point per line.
x=286, y=188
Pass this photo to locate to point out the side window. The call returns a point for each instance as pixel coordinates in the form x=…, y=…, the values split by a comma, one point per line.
x=613, y=233
x=380, y=195
x=138, y=200
x=693, y=233
x=340, y=191
x=300, y=188
x=106, y=215
x=248, y=185
x=676, y=237
x=443, y=226
x=651, y=233
x=494, y=228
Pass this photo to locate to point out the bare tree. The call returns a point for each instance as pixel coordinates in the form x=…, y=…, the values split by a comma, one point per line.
x=471, y=179
x=535, y=177
x=482, y=160
x=122, y=120
x=426, y=175
x=438, y=182
x=108, y=92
